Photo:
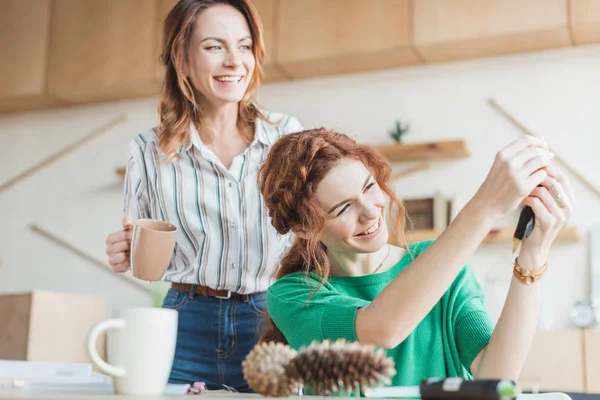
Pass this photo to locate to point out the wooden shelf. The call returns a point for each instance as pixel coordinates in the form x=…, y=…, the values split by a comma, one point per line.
x=505, y=235
x=424, y=151
x=496, y=236
x=417, y=235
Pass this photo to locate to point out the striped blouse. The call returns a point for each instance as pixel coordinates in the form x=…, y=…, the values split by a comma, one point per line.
x=225, y=239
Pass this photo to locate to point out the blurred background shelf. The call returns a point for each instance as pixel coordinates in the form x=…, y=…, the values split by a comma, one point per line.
x=120, y=172
x=505, y=235
x=496, y=236
x=424, y=151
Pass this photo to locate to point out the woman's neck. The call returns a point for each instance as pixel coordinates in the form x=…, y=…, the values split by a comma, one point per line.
x=218, y=124
x=359, y=264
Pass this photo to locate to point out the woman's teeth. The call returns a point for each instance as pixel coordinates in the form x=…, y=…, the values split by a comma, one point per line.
x=229, y=78
x=371, y=229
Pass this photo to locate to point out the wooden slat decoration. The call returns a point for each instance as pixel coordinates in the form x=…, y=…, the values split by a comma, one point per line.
x=63, y=152
x=53, y=237
x=557, y=157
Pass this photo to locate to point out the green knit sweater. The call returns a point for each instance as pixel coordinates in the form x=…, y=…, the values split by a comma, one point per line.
x=444, y=344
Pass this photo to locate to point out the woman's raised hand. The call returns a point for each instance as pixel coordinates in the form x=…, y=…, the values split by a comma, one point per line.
x=517, y=170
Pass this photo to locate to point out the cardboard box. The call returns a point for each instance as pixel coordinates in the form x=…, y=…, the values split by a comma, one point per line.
x=49, y=326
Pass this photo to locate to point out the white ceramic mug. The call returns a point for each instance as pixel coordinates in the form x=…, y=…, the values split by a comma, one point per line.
x=140, y=349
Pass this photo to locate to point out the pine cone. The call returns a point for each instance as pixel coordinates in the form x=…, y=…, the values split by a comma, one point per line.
x=341, y=366
x=265, y=369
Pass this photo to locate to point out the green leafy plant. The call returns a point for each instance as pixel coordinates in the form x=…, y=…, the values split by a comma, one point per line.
x=398, y=133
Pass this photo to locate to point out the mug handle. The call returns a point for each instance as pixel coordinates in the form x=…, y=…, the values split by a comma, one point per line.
x=93, y=353
x=134, y=234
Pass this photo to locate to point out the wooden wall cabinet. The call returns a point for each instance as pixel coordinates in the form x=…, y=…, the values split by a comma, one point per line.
x=555, y=362
x=164, y=7
x=24, y=26
x=268, y=11
x=62, y=52
x=592, y=360
x=585, y=21
x=102, y=50
x=316, y=37
x=461, y=29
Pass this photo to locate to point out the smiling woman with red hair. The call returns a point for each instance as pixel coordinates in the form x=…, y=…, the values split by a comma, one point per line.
x=420, y=301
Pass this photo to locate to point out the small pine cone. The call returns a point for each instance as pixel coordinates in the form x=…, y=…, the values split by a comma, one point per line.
x=265, y=369
x=341, y=366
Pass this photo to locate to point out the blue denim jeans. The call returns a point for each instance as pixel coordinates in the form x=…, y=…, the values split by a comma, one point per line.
x=214, y=336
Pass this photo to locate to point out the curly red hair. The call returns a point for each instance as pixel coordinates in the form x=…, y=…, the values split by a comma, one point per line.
x=293, y=169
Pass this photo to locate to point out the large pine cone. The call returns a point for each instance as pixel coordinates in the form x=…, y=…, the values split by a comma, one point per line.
x=265, y=369
x=328, y=367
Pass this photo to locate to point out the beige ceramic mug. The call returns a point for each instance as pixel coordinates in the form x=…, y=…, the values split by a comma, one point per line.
x=152, y=245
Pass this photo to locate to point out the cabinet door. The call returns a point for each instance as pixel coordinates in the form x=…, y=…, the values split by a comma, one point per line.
x=592, y=360
x=555, y=362
x=102, y=50
x=267, y=9
x=164, y=7
x=585, y=21
x=458, y=29
x=24, y=26
x=317, y=37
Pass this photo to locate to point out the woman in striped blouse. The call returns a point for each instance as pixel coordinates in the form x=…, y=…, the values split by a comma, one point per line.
x=198, y=170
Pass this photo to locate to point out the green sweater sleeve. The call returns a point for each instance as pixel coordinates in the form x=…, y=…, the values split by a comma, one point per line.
x=328, y=314
x=472, y=326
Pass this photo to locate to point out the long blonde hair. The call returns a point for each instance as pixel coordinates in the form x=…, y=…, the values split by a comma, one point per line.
x=178, y=107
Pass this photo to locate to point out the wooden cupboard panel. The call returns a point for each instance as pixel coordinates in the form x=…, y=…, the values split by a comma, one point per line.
x=459, y=29
x=102, y=50
x=15, y=104
x=349, y=63
x=592, y=360
x=318, y=37
x=555, y=362
x=24, y=26
x=273, y=73
x=267, y=9
x=164, y=7
x=585, y=21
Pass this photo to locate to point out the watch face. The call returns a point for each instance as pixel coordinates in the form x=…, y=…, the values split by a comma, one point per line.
x=583, y=315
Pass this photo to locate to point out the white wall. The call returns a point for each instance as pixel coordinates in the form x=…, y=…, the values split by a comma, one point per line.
x=79, y=197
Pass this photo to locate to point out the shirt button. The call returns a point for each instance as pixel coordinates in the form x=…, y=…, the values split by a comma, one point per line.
x=233, y=225
x=232, y=265
x=230, y=184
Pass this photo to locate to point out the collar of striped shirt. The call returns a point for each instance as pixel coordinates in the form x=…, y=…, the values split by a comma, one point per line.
x=263, y=133
x=225, y=239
